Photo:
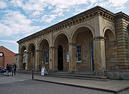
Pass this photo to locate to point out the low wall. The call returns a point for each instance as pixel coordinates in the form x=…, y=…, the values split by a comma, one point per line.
x=118, y=74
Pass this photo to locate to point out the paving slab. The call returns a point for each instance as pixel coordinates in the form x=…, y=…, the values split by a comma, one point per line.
x=101, y=84
x=113, y=86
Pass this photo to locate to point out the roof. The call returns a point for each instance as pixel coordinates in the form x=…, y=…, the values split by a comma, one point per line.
x=58, y=25
x=5, y=50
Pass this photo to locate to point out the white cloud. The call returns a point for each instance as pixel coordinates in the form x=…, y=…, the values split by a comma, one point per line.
x=17, y=2
x=93, y=1
x=48, y=18
x=15, y=23
x=2, y=5
x=118, y=2
x=35, y=8
x=9, y=41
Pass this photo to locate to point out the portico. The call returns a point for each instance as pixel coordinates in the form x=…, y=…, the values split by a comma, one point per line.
x=87, y=42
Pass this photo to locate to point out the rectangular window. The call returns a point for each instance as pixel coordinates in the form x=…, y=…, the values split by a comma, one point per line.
x=78, y=53
x=46, y=57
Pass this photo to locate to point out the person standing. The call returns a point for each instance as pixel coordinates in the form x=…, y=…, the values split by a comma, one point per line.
x=7, y=70
x=14, y=67
x=24, y=65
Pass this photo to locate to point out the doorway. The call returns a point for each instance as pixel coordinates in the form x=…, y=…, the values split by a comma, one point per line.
x=60, y=58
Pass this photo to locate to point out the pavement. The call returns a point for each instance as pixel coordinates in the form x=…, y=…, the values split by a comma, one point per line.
x=38, y=87
x=105, y=85
x=114, y=86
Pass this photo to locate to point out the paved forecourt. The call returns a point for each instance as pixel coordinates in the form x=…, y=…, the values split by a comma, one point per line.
x=100, y=85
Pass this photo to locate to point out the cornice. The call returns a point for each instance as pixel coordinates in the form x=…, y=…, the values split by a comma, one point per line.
x=79, y=18
x=120, y=15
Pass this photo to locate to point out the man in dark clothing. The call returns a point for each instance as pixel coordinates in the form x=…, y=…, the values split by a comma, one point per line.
x=14, y=67
x=24, y=65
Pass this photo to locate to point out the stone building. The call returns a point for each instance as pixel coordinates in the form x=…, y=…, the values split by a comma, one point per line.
x=6, y=56
x=95, y=40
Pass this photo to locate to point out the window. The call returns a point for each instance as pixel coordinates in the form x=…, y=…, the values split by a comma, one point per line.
x=78, y=53
x=46, y=57
x=1, y=54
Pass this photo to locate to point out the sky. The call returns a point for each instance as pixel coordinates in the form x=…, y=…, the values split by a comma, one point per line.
x=21, y=18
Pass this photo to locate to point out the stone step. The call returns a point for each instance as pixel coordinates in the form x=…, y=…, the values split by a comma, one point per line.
x=76, y=75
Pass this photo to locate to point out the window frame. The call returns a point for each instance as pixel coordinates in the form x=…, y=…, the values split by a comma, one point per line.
x=78, y=54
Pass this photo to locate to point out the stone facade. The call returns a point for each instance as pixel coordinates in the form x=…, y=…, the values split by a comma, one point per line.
x=95, y=40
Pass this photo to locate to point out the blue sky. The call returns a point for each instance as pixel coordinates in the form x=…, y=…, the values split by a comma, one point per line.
x=20, y=18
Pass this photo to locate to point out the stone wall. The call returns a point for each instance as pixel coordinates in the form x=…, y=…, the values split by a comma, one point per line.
x=108, y=33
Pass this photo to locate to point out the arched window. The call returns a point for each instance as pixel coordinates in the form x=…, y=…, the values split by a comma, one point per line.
x=1, y=54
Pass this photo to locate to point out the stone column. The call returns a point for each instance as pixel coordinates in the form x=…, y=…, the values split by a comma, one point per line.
x=99, y=54
x=37, y=60
x=27, y=61
x=20, y=65
x=51, y=58
x=72, y=57
x=122, y=41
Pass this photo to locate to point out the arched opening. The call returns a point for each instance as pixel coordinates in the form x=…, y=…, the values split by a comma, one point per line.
x=23, y=58
x=110, y=48
x=83, y=40
x=60, y=58
x=44, y=54
x=31, y=57
x=61, y=45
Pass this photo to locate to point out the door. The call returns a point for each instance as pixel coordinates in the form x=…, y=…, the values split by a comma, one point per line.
x=60, y=58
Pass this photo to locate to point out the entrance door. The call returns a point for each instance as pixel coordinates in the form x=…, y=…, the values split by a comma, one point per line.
x=60, y=58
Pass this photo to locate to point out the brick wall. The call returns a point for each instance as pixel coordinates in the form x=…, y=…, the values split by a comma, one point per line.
x=8, y=57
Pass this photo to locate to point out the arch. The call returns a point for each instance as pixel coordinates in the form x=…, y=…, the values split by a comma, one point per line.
x=83, y=40
x=61, y=50
x=61, y=33
x=44, y=54
x=31, y=48
x=23, y=48
x=111, y=30
x=23, y=57
x=83, y=26
x=31, y=56
x=108, y=33
x=110, y=48
x=41, y=40
x=79, y=30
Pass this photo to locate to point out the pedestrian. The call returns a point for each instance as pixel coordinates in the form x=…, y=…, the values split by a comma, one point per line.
x=7, y=70
x=12, y=69
x=44, y=71
x=24, y=65
x=15, y=68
